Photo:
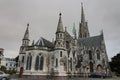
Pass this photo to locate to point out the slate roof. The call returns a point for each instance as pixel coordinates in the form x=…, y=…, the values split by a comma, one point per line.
x=42, y=42
x=89, y=42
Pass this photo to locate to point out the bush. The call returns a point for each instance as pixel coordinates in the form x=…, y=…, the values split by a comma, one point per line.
x=12, y=71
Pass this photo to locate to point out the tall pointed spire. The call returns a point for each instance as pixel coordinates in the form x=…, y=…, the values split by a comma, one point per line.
x=60, y=25
x=82, y=13
x=26, y=36
x=83, y=27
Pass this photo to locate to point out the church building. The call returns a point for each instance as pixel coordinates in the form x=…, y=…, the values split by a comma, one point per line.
x=67, y=55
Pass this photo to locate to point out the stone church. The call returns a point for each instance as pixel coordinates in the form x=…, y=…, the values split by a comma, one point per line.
x=66, y=55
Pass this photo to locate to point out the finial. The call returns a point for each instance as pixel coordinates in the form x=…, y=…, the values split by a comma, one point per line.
x=60, y=14
x=27, y=24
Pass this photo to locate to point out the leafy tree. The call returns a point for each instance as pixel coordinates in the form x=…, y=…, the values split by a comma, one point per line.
x=115, y=64
x=3, y=68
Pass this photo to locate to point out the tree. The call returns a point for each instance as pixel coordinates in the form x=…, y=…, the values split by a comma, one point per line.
x=115, y=64
x=3, y=68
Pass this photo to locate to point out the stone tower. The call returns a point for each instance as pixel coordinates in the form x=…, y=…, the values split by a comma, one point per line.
x=60, y=50
x=60, y=42
x=83, y=26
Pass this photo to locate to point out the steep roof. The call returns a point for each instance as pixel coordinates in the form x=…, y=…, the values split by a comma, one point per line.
x=89, y=42
x=68, y=36
x=42, y=42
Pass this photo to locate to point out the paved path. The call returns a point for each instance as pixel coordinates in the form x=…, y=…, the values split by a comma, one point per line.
x=67, y=79
x=15, y=77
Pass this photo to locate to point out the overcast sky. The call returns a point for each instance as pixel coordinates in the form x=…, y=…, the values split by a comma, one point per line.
x=43, y=18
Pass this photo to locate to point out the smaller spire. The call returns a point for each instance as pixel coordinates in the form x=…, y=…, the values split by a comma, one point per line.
x=60, y=25
x=74, y=31
x=26, y=36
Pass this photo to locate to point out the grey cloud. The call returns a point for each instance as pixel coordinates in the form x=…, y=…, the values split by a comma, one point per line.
x=43, y=17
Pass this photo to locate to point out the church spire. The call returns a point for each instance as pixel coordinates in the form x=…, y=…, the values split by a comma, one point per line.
x=82, y=14
x=60, y=42
x=60, y=25
x=26, y=37
x=74, y=31
x=83, y=27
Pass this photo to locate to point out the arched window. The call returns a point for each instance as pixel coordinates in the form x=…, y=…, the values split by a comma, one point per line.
x=90, y=55
x=56, y=62
x=60, y=53
x=29, y=62
x=71, y=64
x=39, y=62
x=98, y=54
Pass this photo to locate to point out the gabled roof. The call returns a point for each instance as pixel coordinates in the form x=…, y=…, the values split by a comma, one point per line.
x=89, y=42
x=68, y=36
x=44, y=43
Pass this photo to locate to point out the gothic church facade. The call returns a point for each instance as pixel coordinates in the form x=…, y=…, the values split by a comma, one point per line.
x=66, y=55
